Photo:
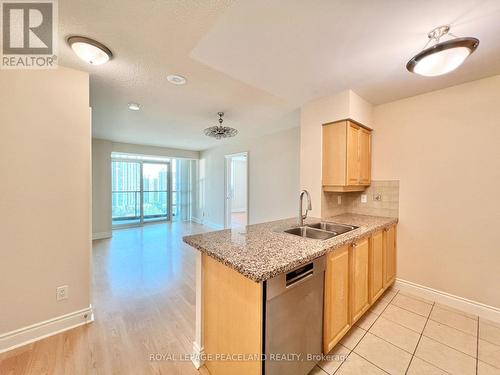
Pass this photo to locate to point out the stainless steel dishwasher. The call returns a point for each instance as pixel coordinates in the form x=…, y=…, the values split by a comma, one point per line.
x=294, y=319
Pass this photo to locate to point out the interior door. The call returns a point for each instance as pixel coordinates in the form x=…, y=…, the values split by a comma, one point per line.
x=228, y=193
x=155, y=191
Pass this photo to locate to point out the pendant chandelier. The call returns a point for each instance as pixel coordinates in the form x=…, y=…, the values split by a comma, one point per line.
x=442, y=57
x=219, y=131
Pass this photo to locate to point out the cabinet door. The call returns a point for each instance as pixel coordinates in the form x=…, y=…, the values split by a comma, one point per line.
x=336, y=319
x=359, y=293
x=334, y=154
x=389, y=255
x=376, y=266
x=365, y=156
x=353, y=162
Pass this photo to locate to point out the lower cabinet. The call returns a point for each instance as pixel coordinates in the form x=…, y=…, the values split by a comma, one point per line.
x=389, y=255
x=359, y=258
x=337, y=320
x=355, y=277
x=377, y=283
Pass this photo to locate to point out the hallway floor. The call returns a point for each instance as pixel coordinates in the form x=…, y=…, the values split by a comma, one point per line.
x=144, y=304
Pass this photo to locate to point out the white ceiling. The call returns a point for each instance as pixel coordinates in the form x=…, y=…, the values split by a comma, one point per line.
x=258, y=60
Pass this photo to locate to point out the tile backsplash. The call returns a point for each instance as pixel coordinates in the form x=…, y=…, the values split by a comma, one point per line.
x=382, y=199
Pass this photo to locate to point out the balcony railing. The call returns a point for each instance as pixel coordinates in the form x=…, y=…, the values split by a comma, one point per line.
x=126, y=206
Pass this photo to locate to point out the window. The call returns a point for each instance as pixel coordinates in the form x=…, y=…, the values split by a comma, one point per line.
x=125, y=192
x=146, y=189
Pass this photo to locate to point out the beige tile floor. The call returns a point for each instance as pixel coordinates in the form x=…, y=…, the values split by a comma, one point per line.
x=404, y=334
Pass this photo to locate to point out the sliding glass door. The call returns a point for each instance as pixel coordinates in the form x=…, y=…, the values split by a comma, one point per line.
x=125, y=192
x=140, y=191
x=155, y=186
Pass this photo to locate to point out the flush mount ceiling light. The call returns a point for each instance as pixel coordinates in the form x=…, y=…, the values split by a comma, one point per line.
x=134, y=106
x=442, y=57
x=90, y=50
x=176, y=79
x=220, y=131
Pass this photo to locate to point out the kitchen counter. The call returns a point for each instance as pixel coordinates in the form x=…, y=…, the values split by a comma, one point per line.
x=262, y=251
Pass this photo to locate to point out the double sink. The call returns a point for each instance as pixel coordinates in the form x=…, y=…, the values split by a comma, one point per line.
x=320, y=231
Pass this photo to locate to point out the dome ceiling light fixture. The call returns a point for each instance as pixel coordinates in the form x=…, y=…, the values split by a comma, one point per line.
x=89, y=50
x=442, y=57
x=219, y=131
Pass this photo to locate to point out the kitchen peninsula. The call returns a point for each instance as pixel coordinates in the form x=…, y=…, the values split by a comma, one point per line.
x=257, y=285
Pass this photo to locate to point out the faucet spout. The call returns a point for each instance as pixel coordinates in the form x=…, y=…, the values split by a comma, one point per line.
x=303, y=216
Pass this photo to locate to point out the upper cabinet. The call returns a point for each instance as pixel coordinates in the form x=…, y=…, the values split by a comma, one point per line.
x=346, y=156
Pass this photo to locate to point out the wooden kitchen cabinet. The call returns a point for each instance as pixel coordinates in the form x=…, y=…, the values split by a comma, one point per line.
x=359, y=279
x=389, y=255
x=346, y=156
x=336, y=317
x=355, y=277
x=365, y=162
x=376, y=266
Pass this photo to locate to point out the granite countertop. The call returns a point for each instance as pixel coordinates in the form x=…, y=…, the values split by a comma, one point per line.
x=262, y=251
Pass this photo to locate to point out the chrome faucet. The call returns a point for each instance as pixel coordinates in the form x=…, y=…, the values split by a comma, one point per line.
x=302, y=216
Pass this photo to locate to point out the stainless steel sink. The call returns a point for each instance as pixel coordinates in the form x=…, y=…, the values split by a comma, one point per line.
x=309, y=232
x=333, y=227
x=321, y=231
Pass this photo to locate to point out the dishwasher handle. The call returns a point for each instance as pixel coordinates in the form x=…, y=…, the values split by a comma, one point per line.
x=293, y=277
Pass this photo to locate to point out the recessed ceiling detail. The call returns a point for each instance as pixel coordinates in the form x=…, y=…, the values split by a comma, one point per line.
x=442, y=57
x=176, y=79
x=134, y=106
x=264, y=58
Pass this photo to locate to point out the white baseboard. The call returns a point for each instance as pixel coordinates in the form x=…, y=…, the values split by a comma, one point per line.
x=101, y=235
x=464, y=304
x=206, y=223
x=198, y=354
x=38, y=331
x=213, y=225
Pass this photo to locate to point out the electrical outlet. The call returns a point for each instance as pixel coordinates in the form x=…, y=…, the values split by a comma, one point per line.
x=62, y=292
x=339, y=199
x=364, y=198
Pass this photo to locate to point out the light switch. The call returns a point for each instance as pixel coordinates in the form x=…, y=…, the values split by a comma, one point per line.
x=364, y=198
x=339, y=200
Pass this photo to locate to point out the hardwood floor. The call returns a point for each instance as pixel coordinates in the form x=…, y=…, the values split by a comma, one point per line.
x=144, y=303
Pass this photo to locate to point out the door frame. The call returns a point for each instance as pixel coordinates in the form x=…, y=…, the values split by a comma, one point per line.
x=227, y=180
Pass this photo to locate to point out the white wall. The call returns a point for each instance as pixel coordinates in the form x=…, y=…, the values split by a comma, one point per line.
x=101, y=177
x=44, y=195
x=101, y=188
x=444, y=147
x=273, y=163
